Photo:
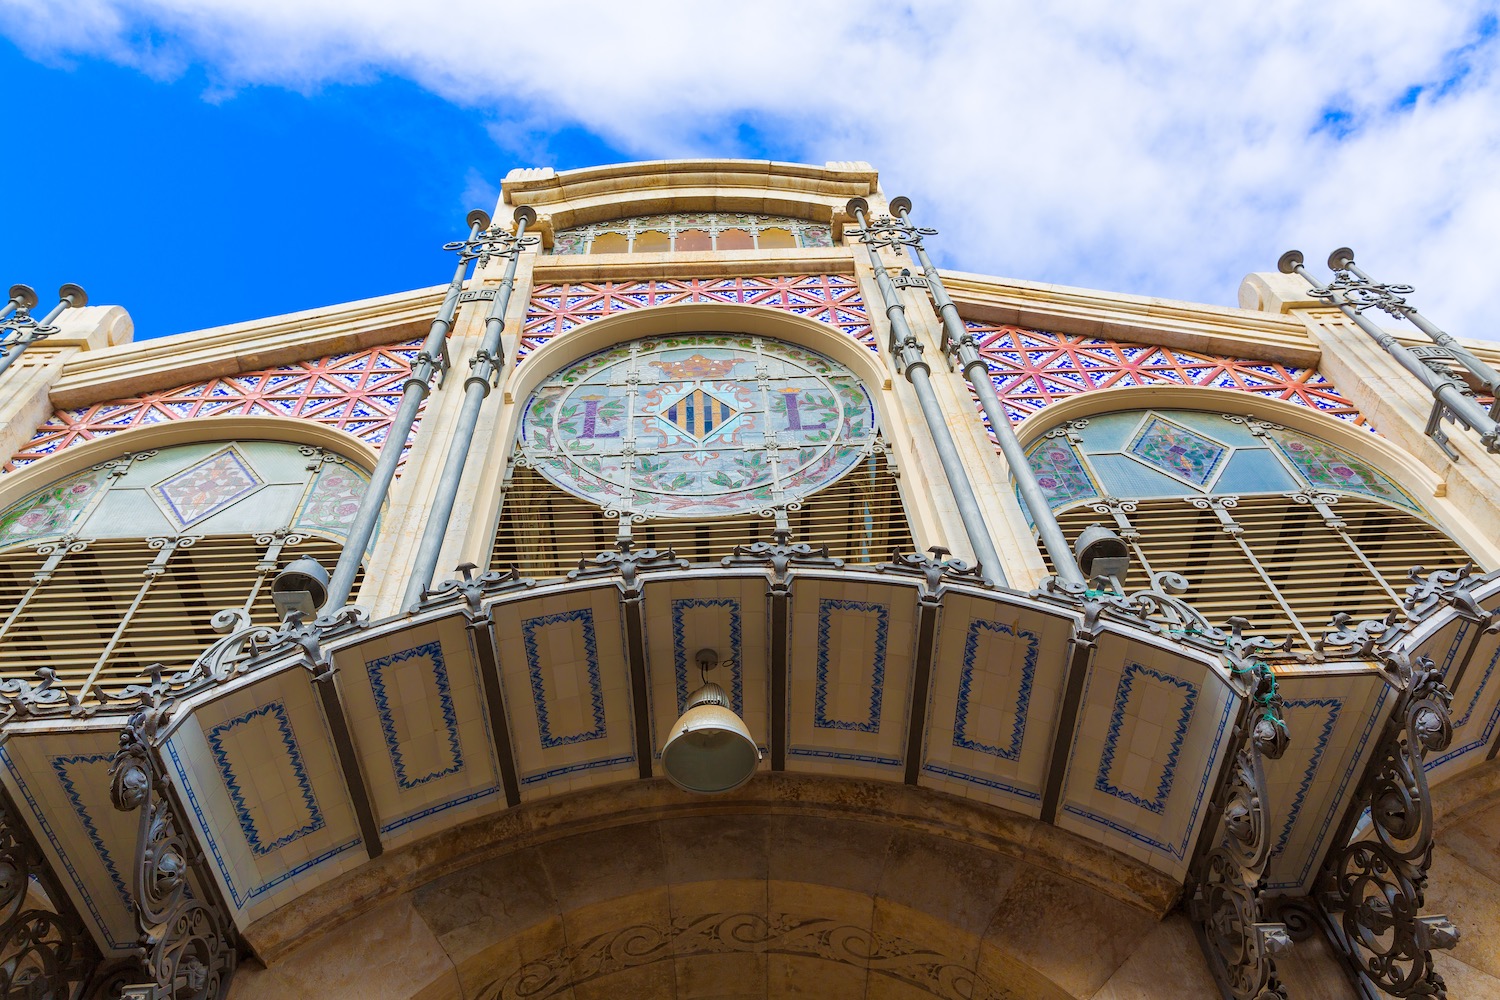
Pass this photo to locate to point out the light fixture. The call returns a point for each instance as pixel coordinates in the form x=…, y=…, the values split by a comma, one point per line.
x=710, y=750
x=1102, y=553
x=301, y=586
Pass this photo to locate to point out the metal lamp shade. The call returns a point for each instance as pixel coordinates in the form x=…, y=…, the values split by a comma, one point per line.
x=710, y=749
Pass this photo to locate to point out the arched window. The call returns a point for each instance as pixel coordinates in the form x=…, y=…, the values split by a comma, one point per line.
x=123, y=565
x=1277, y=525
x=699, y=231
x=693, y=441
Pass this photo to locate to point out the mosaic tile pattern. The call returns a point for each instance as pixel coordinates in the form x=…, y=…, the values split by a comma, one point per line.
x=1060, y=473
x=1178, y=451
x=1033, y=368
x=207, y=487
x=334, y=500
x=357, y=393
x=1323, y=465
x=51, y=511
x=826, y=298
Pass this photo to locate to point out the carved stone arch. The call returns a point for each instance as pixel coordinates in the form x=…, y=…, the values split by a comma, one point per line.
x=799, y=886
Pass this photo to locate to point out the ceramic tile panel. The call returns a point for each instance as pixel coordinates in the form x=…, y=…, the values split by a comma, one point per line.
x=725, y=613
x=1335, y=718
x=356, y=392
x=416, y=709
x=258, y=773
x=1152, y=728
x=60, y=781
x=849, y=675
x=1470, y=660
x=997, y=679
x=833, y=299
x=566, y=683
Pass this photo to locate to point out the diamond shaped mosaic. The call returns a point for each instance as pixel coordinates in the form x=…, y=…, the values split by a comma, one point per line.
x=202, y=490
x=1179, y=452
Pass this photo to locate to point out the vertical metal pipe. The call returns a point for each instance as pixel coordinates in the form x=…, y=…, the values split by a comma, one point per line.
x=1342, y=259
x=918, y=373
x=21, y=297
x=433, y=357
x=484, y=366
x=1443, y=388
x=957, y=339
x=69, y=296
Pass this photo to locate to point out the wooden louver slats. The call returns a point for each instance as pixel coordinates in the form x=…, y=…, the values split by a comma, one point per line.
x=544, y=531
x=67, y=622
x=1310, y=564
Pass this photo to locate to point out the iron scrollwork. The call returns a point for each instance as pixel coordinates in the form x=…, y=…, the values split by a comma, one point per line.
x=46, y=953
x=187, y=944
x=1237, y=938
x=1375, y=884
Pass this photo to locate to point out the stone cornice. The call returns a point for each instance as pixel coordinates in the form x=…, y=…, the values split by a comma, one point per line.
x=1185, y=325
x=148, y=365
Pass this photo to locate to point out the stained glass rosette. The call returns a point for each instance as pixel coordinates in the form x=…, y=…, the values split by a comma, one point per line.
x=698, y=425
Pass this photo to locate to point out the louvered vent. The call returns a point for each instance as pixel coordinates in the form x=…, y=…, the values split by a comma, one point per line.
x=100, y=621
x=545, y=531
x=1293, y=552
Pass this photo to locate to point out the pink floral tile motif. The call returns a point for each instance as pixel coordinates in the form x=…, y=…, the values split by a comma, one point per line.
x=356, y=392
x=202, y=490
x=1033, y=368
x=826, y=298
x=52, y=511
x=334, y=500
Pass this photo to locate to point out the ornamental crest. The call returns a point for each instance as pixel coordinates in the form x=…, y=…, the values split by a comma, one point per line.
x=698, y=425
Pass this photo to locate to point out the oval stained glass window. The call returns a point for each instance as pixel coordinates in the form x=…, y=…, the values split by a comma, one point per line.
x=698, y=424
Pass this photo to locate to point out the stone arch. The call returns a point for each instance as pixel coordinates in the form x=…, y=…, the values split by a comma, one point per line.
x=795, y=886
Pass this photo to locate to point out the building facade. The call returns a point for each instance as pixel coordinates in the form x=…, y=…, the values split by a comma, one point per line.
x=1096, y=646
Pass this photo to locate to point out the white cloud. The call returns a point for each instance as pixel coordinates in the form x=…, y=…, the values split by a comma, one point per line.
x=1163, y=148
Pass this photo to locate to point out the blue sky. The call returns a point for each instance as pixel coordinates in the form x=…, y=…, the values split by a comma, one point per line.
x=210, y=161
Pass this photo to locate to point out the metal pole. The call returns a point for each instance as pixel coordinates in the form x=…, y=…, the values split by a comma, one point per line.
x=908, y=355
x=68, y=296
x=432, y=358
x=21, y=297
x=958, y=340
x=484, y=367
x=1444, y=388
x=1391, y=298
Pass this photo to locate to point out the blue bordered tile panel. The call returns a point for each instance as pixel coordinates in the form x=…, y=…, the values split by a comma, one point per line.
x=258, y=773
x=566, y=681
x=726, y=613
x=1473, y=675
x=1335, y=719
x=1153, y=727
x=998, y=669
x=417, y=713
x=849, y=683
x=62, y=781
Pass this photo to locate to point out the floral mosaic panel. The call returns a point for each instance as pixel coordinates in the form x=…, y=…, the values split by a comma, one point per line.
x=826, y=298
x=1033, y=368
x=1060, y=473
x=334, y=499
x=693, y=425
x=52, y=511
x=357, y=393
x=1176, y=450
x=1323, y=465
x=207, y=487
